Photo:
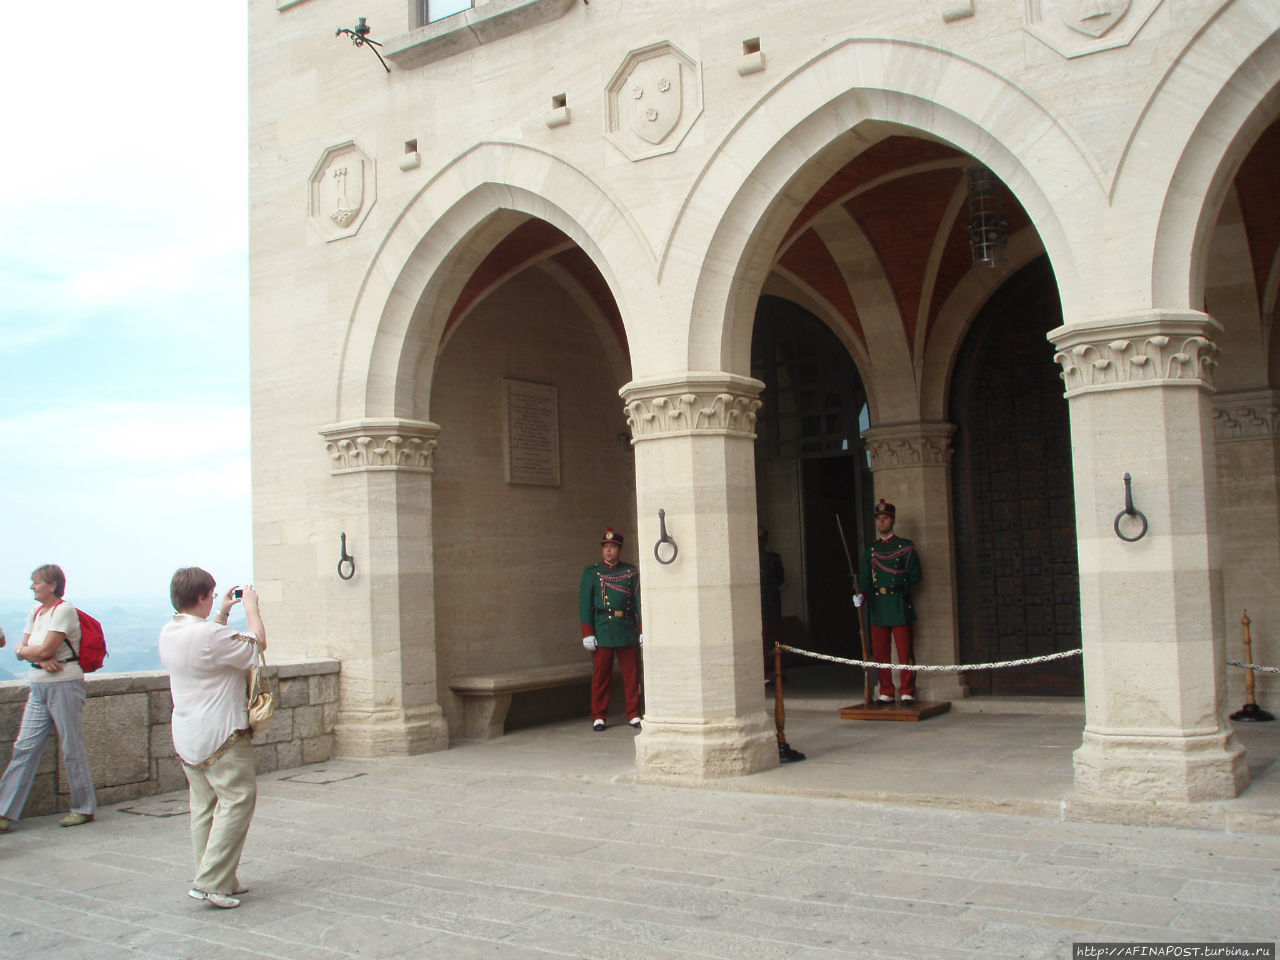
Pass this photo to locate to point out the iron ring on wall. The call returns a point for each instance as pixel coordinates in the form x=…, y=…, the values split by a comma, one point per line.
x=346, y=558
x=1130, y=511
x=664, y=537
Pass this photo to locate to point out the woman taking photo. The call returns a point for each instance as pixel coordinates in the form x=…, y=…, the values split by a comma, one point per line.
x=208, y=666
x=55, y=701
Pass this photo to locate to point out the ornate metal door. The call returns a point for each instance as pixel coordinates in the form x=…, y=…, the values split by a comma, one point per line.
x=1017, y=572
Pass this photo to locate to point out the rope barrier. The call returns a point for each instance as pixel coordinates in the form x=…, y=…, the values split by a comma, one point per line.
x=958, y=667
x=934, y=668
x=1253, y=666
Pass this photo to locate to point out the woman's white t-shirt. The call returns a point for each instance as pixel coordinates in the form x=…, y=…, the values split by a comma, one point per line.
x=208, y=668
x=64, y=619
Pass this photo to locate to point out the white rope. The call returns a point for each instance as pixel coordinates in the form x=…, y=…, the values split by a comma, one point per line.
x=1254, y=666
x=933, y=668
x=957, y=667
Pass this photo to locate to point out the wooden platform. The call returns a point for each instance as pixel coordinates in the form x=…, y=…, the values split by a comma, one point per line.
x=920, y=710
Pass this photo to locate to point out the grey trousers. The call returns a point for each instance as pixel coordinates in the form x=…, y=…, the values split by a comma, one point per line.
x=223, y=796
x=50, y=706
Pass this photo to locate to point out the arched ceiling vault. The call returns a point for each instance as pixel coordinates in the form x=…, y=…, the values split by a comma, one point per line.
x=907, y=197
x=882, y=244
x=529, y=244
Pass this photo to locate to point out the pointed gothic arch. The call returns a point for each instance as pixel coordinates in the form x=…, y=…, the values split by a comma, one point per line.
x=443, y=233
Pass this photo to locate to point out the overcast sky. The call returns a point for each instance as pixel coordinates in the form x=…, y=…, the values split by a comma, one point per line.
x=124, y=402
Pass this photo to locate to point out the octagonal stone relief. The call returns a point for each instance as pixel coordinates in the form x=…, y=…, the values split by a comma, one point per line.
x=653, y=100
x=341, y=191
x=1076, y=27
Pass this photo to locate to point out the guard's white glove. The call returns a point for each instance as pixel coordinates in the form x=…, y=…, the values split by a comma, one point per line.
x=641, y=638
x=589, y=643
x=858, y=599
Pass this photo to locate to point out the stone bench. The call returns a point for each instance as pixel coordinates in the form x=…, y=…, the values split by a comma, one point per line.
x=487, y=697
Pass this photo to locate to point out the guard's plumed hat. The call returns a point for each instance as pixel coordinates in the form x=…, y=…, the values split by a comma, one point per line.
x=611, y=536
x=884, y=506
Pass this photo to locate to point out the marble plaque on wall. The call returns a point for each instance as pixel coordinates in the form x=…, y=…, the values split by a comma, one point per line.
x=532, y=448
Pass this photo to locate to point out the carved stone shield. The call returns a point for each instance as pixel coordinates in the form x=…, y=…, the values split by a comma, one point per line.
x=653, y=92
x=343, y=186
x=343, y=189
x=1092, y=17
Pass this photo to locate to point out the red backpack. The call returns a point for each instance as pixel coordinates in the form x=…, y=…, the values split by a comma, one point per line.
x=93, y=643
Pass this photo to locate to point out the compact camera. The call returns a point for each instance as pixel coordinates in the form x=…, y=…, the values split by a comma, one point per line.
x=237, y=593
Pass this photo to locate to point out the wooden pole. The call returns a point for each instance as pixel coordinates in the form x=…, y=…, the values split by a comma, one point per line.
x=1250, y=712
x=785, y=753
x=1248, y=658
x=863, y=630
x=779, y=710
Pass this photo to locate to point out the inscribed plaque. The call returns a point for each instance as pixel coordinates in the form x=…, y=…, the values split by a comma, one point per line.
x=532, y=451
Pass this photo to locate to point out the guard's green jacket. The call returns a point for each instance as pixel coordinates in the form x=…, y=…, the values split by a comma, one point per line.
x=609, y=604
x=889, y=570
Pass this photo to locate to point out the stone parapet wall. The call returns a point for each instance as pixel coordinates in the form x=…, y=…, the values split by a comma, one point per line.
x=126, y=725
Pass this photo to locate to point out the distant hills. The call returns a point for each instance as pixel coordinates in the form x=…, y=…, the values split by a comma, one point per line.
x=131, y=624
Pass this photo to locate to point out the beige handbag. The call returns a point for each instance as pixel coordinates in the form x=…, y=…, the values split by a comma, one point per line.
x=262, y=701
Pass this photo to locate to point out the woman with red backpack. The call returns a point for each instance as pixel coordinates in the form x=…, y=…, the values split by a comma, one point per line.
x=54, y=702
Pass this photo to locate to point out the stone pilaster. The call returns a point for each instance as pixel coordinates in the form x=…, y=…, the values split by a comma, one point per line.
x=912, y=467
x=705, y=713
x=389, y=699
x=1246, y=427
x=1140, y=394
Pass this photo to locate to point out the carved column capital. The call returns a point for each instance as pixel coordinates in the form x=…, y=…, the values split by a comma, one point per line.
x=381, y=443
x=909, y=445
x=692, y=403
x=1246, y=415
x=1153, y=349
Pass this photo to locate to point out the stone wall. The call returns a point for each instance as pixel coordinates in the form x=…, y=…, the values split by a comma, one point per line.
x=126, y=724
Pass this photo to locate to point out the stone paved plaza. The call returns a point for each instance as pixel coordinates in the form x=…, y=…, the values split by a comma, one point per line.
x=542, y=845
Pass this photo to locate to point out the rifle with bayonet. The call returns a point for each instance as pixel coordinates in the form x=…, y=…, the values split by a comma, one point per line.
x=861, y=612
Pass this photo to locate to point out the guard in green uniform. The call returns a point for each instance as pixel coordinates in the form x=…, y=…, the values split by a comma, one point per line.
x=890, y=568
x=609, y=611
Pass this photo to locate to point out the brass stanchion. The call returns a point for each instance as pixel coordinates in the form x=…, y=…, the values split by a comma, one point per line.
x=1250, y=712
x=785, y=753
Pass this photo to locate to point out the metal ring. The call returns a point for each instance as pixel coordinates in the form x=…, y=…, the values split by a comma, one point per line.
x=344, y=557
x=664, y=537
x=1131, y=513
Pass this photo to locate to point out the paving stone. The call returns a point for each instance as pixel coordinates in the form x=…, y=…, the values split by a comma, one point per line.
x=561, y=853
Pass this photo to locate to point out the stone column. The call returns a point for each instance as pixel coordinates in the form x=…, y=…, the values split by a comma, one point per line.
x=912, y=467
x=1246, y=426
x=389, y=704
x=1139, y=390
x=705, y=712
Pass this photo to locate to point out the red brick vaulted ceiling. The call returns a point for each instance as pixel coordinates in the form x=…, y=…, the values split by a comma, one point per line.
x=902, y=216
x=530, y=243
x=809, y=259
x=886, y=157
x=1258, y=188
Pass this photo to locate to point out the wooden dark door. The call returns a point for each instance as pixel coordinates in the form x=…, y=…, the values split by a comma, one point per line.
x=812, y=415
x=1017, y=572
x=830, y=488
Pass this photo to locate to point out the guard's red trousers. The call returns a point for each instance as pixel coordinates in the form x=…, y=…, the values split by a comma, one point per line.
x=880, y=653
x=602, y=680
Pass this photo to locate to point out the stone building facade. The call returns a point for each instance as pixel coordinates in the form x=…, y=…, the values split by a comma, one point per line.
x=562, y=265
